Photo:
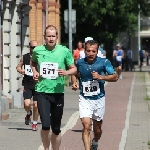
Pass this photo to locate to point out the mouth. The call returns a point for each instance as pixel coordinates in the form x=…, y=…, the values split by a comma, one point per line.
x=51, y=42
x=90, y=57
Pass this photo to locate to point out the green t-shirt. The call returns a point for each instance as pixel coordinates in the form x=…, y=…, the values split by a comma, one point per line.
x=60, y=55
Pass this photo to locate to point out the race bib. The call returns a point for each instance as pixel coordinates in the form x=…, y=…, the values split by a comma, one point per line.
x=28, y=70
x=118, y=58
x=91, y=88
x=49, y=70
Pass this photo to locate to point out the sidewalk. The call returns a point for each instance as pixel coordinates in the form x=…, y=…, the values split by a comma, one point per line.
x=139, y=122
x=15, y=135
x=126, y=123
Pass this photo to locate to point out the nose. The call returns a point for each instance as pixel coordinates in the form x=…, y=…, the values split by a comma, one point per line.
x=51, y=38
x=90, y=53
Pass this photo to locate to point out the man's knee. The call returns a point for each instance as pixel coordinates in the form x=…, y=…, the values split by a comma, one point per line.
x=27, y=102
x=45, y=128
x=56, y=130
x=35, y=105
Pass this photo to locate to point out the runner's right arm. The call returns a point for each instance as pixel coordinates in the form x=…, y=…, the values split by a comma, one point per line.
x=74, y=82
x=19, y=66
x=122, y=54
x=33, y=66
x=114, y=53
x=75, y=85
x=73, y=79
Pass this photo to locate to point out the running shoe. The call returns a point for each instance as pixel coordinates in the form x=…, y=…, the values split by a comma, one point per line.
x=120, y=77
x=94, y=145
x=27, y=120
x=34, y=127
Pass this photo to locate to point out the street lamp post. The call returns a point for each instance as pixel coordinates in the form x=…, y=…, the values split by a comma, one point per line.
x=47, y=2
x=70, y=24
x=21, y=27
x=1, y=7
x=139, y=39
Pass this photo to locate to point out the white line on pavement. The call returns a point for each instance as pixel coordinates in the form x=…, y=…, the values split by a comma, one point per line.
x=70, y=124
x=124, y=131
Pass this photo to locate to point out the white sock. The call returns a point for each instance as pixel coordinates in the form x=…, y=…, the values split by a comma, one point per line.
x=34, y=122
x=28, y=113
x=94, y=143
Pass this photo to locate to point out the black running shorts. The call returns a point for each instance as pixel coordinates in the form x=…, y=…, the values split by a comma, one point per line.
x=50, y=106
x=29, y=93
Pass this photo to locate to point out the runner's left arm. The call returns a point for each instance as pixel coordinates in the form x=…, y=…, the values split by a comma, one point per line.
x=72, y=70
x=110, y=76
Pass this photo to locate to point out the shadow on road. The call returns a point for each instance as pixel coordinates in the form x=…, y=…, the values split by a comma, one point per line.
x=19, y=129
x=76, y=130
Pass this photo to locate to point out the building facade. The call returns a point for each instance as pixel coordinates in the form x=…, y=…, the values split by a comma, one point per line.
x=132, y=41
x=23, y=21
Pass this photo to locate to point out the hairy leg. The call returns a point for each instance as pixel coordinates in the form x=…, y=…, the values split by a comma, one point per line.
x=45, y=136
x=55, y=140
x=119, y=70
x=97, y=130
x=35, y=111
x=86, y=122
x=27, y=106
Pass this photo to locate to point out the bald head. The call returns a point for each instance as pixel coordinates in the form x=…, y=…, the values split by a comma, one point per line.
x=33, y=43
x=51, y=28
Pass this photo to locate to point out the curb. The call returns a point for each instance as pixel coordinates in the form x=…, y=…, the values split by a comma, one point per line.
x=125, y=130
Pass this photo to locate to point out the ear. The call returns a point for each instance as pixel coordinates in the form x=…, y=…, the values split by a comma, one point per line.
x=44, y=37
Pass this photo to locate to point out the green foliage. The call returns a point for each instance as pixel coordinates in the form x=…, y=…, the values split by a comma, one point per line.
x=147, y=98
x=148, y=143
x=104, y=19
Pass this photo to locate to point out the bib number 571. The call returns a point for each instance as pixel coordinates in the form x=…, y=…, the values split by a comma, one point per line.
x=48, y=71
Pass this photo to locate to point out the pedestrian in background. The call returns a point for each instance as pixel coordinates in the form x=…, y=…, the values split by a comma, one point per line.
x=118, y=54
x=79, y=51
x=129, y=59
x=147, y=57
x=142, y=56
x=101, y=51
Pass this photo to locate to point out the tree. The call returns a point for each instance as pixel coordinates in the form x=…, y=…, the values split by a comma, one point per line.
x=104, y=19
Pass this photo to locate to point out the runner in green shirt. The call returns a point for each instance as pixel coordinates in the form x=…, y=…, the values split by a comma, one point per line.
x=52, y=60
x=59, y=56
